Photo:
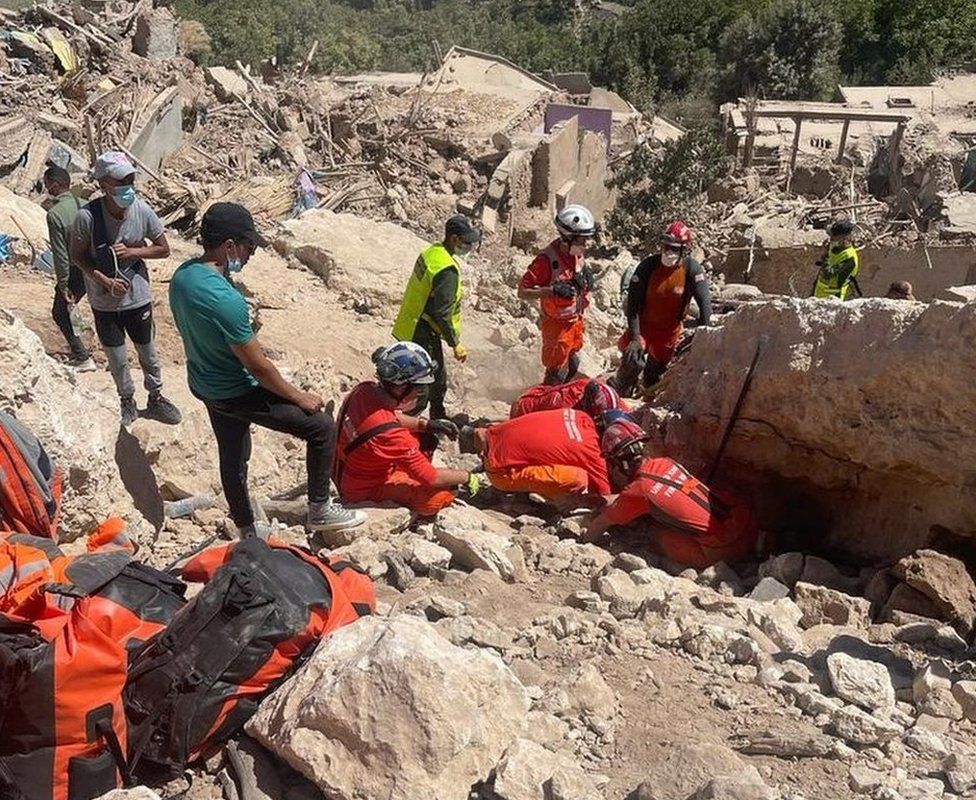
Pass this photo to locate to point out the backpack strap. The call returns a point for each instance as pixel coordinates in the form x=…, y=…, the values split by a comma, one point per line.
x=703, y=497
x=357, y=442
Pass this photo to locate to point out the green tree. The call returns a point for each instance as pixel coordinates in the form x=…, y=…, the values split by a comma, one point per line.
x=659, y=185
x=788, y=50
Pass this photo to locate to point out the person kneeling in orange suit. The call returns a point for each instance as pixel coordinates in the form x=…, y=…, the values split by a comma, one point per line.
x=555, y=454
x=383, y=454
x=690, y=523
x=586, y=394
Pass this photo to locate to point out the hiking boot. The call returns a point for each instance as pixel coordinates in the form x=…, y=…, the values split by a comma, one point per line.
x=130, y=411
x=162, y=410
x=83, y=364
x=329, y=516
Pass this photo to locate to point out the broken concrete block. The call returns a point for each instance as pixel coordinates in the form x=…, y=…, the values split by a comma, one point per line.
x=157, y=35
x=227, y=84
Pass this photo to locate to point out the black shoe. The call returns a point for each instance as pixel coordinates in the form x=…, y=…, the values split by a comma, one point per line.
x=162, y=410
x=130, y=412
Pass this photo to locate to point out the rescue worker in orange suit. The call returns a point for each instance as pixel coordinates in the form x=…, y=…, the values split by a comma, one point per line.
x=383, y=453
x=690, y=523
x=560, y=280
x=586, y=394
x=552, y=453
x=658, y=297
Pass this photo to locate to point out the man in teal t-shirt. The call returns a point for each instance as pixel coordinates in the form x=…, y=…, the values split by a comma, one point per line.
x=229, y=371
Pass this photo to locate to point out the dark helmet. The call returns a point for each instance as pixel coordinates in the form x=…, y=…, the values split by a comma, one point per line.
x=841, y=227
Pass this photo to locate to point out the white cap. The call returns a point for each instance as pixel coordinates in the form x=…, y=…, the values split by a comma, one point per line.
x=113, y=164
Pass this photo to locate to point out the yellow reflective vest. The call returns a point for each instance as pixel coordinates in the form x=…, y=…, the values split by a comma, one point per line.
x=834, y=281
x=432, y=261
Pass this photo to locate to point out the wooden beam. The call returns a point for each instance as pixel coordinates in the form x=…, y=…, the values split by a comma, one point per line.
x=843, y=140
x=796, y=144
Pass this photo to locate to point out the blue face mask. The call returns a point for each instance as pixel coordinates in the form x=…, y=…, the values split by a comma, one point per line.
x=235, y=264
x=124, y=196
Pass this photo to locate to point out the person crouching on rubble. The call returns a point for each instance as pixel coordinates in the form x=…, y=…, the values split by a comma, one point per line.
x=555, y=454
x=658, y=296
x=589, y=395
x=690, y=523
x=840, y=265
x=560, y=280
x=229, y=371
x=383, y=453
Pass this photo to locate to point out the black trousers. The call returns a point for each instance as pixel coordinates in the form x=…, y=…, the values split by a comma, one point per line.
x=112, y=326
x=430, y=340
x=61, y=313
x=231, y=421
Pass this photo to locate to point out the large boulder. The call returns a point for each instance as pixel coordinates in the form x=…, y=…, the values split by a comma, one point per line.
x=78, y=426
x=353, y=254
x=946, y=582
x=862, y=415
x=20, y=217
x=389, y=708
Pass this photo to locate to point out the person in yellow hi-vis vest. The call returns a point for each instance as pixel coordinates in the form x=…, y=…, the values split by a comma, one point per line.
x=431, y=309
x=840, y=265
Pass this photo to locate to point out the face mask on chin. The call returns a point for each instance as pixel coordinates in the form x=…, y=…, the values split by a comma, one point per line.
x=670, y=258
x=462, y=249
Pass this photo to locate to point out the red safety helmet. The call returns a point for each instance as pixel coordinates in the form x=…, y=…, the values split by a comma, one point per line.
x=677, y=235
x=620, y=433
x=598, y=398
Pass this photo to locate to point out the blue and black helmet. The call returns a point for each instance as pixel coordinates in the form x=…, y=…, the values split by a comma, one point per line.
x=404, y=363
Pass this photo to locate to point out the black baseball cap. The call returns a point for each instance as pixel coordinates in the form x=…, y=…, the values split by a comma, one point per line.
x=460, y=226
x=224, y=221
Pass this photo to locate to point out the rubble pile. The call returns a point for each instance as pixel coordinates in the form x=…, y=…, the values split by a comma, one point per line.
x=79, y=84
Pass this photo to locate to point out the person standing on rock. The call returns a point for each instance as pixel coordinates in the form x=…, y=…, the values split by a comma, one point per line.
x=70, y=287
x=658, y=297
x=228, y=370
x=690, y=523
x=589, y=395
x=840, y=265
x=555, y=454
x=560, y=280
x=108, y=244
x=431, y=308
x=383, y=452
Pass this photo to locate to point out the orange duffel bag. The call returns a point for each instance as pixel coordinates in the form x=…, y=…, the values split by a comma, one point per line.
x=63, y=663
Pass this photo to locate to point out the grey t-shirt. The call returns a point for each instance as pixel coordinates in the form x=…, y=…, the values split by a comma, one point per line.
x=139, y=224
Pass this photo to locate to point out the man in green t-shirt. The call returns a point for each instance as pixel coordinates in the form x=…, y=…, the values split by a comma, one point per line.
x=229, y=371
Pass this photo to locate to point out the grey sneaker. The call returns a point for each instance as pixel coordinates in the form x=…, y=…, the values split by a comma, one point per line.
x=130, y=412
x=162, y=410
x=331, y=516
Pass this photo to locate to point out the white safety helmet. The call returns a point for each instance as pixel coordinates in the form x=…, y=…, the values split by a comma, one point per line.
x=575, y=220
x=404, y=363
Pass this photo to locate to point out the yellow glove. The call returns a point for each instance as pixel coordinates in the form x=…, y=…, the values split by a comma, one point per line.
x=460, y=352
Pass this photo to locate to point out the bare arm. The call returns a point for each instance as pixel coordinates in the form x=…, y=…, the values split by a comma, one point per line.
x=252, y=356
x=158, y=249
x=534, y=294
x=446, y=478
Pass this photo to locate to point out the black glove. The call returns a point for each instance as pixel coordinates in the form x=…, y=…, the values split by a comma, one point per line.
x=443, y=427
x=635, y=349
x=563, y=289
x=584, y=280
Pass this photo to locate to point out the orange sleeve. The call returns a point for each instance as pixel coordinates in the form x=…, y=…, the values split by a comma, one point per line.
x=629, y=505
x=400, y=447
x=538, y=274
